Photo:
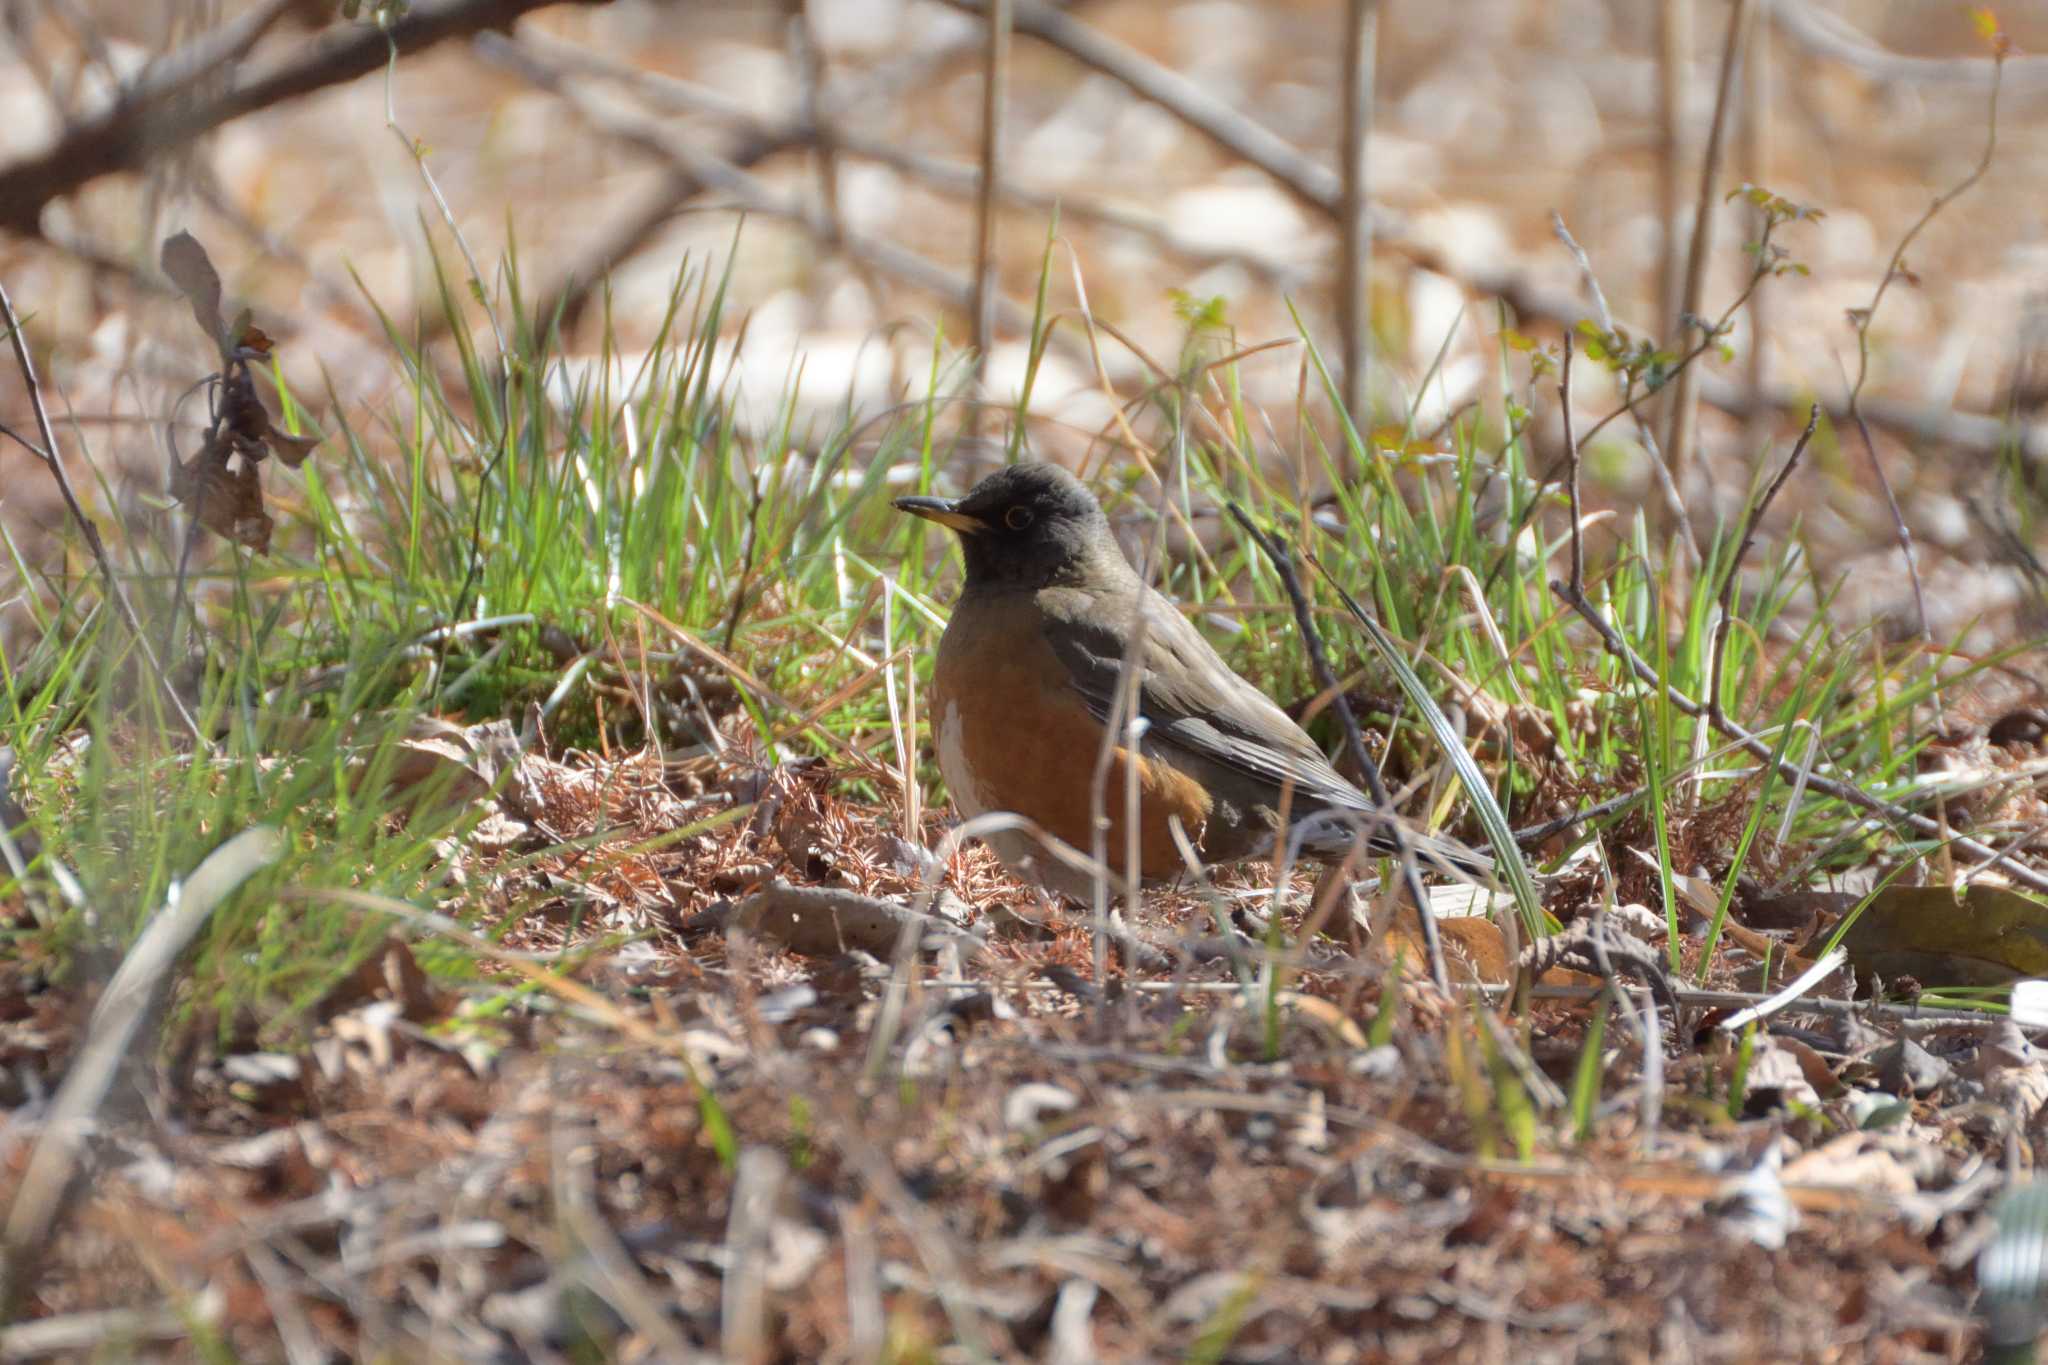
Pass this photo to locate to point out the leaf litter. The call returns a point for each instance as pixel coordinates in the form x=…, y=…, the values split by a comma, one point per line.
x=954, y=1134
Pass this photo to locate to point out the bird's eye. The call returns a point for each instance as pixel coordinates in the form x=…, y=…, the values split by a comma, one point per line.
x=1017, y=518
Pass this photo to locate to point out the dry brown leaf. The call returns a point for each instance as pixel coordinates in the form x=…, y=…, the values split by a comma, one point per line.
x=824, y=922
x=220, y=483
x=1474, y=950
x=226, y=496
x=187, y=265
x=1987, y=937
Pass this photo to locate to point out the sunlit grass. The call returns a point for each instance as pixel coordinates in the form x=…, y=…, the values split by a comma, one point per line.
x=520, y=532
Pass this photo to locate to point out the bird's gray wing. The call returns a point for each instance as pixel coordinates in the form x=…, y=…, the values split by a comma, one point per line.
x=1193, y=702
x=1190, y=699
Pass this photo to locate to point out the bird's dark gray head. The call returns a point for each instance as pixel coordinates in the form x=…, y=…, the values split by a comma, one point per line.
x=1026, y=526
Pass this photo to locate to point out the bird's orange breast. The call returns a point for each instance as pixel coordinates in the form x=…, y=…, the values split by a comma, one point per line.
x=1014, y=735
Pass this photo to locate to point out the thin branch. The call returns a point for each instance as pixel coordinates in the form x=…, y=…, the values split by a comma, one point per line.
x=809, y=60
x=1354, y=742
x=166, y=111
x=47, y=1186
x=1683, y=417
x=1601, y=313
x=1828, y=35
x=1313, y=184
x=1317, y=187
x=1971, y=433
x=1756, y=747
x=1536, y=834
x=739, y=596
x=1572, y=461
x=959, y=178
x=1354, y=273
x=995, y=87
x=756, y=141
x=1726, y=619
x=116, y=593
x=748, y=192
x=1674, y=70
x=1863, y=317
x=1630, y=404
x=1754, y=158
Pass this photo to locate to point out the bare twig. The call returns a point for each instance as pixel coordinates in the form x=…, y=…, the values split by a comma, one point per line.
x=1679, y=428
x=117, y=593
x=1790, y=995
x=162, y=113
x=948, y=177
x=1631, y=400
x=747, y=553
x=1536, y=834
x=1354, y=743
x=1756, y=747
x=1354, y=294
x=929, y=1235
x=1318, y=188
x=745, y=1333
x=1631, y=405
x=1829, y=35
x=294, y=1330
x=417, y=150
x=1590, y=943
x=809, y=60
x=1726, y=619
x=1601, y=313
x=1754, y=157
x=1123, y=728
x=1188, y=101
x=94, y=1334
x=605, y=1263
x=1674, y=74
x=1967, y=432
x=1652, y=1101
x=748, y=192
x=995, y=84
x=755, y=141
x=1863, y=317
x=1572, y=459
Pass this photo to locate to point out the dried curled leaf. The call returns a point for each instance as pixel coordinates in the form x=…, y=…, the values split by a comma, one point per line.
x=221, y=483
x=225, y=495
x=189, y=268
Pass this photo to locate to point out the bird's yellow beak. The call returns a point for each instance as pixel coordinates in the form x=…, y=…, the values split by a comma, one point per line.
x=944, y=511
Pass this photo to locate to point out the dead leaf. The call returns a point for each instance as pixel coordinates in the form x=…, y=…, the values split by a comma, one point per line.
x=245, y=415
x=220, y=484
x=189, y=268
x=1813, y=1067
x=1991, y=936
x=1777, y=1077
x=2011, y=1071
x=824, y=922
x=1474, y=950
x=225, y=496
x=1906, y=1068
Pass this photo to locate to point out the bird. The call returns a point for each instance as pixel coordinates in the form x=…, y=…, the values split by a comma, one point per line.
x=1027, y=677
